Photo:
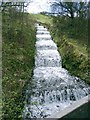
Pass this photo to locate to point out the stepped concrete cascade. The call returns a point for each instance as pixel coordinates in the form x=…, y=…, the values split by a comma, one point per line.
x=43, y=32
x=45, y=58
x=43, y=45
x=41, y=29
x=43, y=36
x=53, y=88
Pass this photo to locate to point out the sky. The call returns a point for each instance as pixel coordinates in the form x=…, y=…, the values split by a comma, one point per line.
x=37, y=6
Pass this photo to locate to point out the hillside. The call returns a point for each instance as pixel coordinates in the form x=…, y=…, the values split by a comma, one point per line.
x=18, y=41
x=72, y=41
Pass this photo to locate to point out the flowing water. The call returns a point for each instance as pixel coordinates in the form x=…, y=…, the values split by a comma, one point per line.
x=53, y=88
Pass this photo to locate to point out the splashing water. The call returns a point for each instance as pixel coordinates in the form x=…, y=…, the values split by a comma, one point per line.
x=53, y=88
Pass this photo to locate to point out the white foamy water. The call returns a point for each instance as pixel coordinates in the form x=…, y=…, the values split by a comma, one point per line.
x=43, y=32
x=43, y=44
x=53, y=88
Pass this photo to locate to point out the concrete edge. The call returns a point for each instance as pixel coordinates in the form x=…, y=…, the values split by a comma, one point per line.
x=71, y=108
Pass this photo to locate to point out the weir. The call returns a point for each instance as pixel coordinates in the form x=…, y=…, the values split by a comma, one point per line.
x=53, y=88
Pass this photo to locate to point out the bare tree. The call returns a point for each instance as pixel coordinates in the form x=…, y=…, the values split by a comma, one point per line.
x=70, y=8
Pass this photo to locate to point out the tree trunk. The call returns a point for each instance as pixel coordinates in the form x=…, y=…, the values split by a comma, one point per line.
x=72, y=14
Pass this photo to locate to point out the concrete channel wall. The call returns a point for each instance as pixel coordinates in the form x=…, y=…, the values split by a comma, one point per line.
x=71, y=108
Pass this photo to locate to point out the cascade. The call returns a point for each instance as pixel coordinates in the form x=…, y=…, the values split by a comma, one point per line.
x=53, y=88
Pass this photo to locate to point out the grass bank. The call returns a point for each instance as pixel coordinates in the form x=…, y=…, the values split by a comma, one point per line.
x=18, y=42
x=71, y=37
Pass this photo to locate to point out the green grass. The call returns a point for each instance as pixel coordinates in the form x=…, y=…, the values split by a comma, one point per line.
x=18, y=62
x=40, y=18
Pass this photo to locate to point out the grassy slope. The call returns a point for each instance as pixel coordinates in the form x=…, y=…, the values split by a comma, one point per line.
x=18, y=62
x=73, y=49
x=18, y=58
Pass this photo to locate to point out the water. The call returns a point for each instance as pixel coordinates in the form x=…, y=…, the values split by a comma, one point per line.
x=53, y=88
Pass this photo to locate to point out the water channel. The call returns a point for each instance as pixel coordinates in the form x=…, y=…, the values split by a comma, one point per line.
x=53, y=88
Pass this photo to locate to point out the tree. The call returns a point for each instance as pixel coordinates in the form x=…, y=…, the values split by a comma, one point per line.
x=70, y=9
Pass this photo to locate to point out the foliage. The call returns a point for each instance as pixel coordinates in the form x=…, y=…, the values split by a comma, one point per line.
x=76, y=29
x=72, y=39
x=18, y=34
x=74, y=59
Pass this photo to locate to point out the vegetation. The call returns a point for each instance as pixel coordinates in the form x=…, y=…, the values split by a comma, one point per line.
x=43, y=19
x=72, y=42
x=18, y=40
x=70, y=8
